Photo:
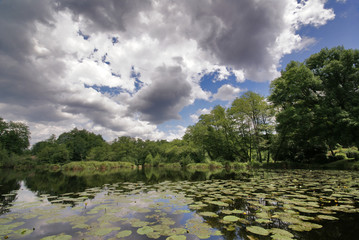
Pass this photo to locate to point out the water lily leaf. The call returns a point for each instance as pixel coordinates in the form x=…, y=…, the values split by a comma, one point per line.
x=230, y=228
x=327, y=217
x=226, y=211
x=124, y=233
x=236, y=211
x=305, y=218
x=105, y=231
x=219, y=203
x=231, y=218
x=177, y=237
x=264, y=215
x=58, y=237
x=5, y=220
x=257, y=230
x=154, y=235
x=299, y=228
x=261, y=220
x=282, y=232
x=280, y=237
x=138, y=223
x=176, y=231
x=208, y=214
x=23, y=231
x=12, y=226
x=81, y=225
x=144, y=230
x=181, y=211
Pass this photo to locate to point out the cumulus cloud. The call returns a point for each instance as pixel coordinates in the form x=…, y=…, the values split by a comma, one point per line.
x=120, y=67
x=168, y=93
x=226, y=93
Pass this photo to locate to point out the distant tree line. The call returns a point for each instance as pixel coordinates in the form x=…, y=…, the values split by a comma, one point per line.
x=312, y=111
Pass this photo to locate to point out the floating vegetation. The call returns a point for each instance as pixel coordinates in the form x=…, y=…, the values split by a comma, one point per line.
x=231, y=218
x=279, y=206
x=257, y=230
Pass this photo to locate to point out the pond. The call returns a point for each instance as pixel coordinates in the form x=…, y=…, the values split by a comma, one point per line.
x=179, y=204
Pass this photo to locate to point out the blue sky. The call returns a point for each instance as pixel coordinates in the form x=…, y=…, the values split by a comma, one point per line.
x=148, y=69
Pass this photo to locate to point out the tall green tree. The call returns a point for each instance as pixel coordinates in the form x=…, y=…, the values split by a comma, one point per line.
x=79, y=143
x=14, y=136
x=338, y=70
x=317, y=104
x=213, y=133
x=253, y=120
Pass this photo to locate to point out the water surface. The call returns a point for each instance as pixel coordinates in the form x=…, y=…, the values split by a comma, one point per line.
x=178, y=204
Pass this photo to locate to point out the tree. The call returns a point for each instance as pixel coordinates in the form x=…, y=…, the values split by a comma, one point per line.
x=253, y=120
x=338, y=70
x=79, y=143
x=296, y=96
x=213, y=133
x=14, y=136
x=317, y=104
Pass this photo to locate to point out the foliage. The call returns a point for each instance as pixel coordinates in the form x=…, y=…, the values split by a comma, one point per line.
x=317, y=105
x=14, y=137
x=94, y=165
x=79, y=143
x=242, y=132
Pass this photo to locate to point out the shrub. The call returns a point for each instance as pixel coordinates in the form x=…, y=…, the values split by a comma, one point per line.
x=352, y=153
x=186, y=160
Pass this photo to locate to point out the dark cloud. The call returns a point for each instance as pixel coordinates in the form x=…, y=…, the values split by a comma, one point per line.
x=24, y=80
x=17, y=24
x=168, y=93
x=238, y=33
x=106, y=15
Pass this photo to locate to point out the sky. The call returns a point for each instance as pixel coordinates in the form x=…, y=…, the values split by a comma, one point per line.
x=149, y=68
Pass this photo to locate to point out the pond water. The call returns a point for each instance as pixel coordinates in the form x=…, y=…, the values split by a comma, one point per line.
x=178, y=204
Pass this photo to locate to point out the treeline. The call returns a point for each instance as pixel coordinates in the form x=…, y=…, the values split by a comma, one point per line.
x=82, y=145
x=311, y=116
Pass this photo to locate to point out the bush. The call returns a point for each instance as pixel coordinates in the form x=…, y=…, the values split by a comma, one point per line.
x=186, y=160
x=95, y=165
x=352, y=153
x=340, y=156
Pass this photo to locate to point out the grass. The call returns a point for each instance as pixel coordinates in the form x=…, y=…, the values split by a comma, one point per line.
x=95, y=165
x=209, y=165
x=170, y=165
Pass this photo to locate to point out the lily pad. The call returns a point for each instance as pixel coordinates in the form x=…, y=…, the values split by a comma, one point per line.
x=231, y=218
x=153, y=235
x=58, y=237
x=280, y=237
x=124, y=233
x=105, y=231
x=208, y=214
x=327, y=217
x=278, y=231
x=258, y=230
x=177, y=237
x=144, y=230
x=23, y=231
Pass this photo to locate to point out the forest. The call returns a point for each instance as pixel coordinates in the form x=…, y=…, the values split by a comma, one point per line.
x=311, y=116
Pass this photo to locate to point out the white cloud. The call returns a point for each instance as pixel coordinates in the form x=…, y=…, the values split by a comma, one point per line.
x=227, y=93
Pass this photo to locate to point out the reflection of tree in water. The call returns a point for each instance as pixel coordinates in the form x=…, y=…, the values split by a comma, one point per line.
x=8, y=182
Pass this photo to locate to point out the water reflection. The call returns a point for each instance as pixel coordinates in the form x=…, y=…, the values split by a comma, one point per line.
x=152, y=203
